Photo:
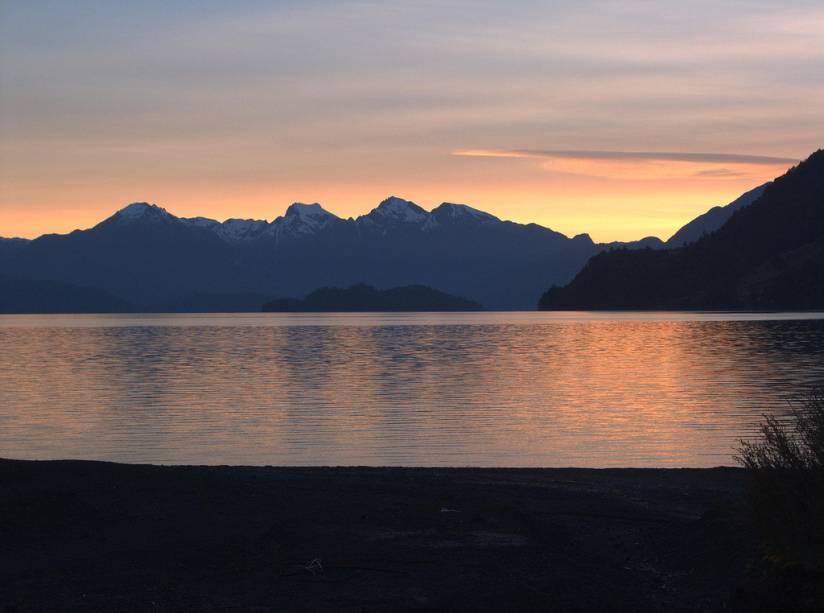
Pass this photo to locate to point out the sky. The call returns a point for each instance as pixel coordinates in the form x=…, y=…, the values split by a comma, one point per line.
x=619, y=119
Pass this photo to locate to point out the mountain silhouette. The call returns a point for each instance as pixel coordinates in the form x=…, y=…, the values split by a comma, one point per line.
x=156, y=261
x=768, y=255
x=152, y=260
x=713, y=219
x=9, y=246
x=362, y=297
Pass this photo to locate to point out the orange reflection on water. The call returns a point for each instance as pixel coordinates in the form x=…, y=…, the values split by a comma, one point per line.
x=492, y=389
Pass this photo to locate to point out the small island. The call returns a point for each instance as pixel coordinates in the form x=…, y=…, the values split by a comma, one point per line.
x=361, y=297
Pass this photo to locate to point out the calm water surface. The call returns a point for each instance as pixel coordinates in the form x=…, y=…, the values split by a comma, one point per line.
x=484, y=389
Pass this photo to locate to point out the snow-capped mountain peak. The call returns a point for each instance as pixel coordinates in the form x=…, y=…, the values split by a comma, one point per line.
x=310, y=217
x=398, y=210
x=142, y=210
x=300, y=220
x=309, y=212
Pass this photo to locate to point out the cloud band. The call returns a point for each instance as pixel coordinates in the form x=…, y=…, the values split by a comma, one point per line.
x=668, y=156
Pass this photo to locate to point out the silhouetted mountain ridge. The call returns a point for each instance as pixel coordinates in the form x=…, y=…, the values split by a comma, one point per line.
x=156, y=261
x=152, y=259
x=713, y=219
x=768, y=255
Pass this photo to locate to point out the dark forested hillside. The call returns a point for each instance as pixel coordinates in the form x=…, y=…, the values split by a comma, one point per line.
x=28, y=296
x=361, y=297
x=713, y=219
x=769, y=255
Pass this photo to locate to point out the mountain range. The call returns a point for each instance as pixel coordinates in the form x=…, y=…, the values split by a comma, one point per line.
x=768, y=255
x=144, y=258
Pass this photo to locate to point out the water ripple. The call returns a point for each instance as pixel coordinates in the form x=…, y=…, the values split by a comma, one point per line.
x=488, y=389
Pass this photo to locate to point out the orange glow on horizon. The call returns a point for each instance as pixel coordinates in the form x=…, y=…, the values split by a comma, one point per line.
x=600, y=199
x=580, y=117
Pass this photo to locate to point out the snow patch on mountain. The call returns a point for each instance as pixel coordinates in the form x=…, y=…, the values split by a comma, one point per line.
x=142, y=210
x=232, y=230
x=397, y=210
x=300, y=220
x=241, y=229
x=312, y=216
x=463, y=210
x=201, y=222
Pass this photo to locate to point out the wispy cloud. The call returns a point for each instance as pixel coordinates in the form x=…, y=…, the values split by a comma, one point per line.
x=660, y=156
x=720, y=173
x=347, y=100
x=644, y=165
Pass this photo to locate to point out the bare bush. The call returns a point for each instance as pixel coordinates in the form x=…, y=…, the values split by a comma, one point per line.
x=786, y=467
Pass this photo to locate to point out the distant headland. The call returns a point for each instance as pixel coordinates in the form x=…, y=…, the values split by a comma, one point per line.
x=361, y=297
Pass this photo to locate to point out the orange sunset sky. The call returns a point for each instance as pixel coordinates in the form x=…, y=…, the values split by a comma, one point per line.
x=620, y=119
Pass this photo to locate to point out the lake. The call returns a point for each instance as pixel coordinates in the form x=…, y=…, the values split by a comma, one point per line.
x=416, y=389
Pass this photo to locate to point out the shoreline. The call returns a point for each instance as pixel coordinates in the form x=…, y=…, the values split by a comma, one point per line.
x=84, y=535
x=370, y=467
